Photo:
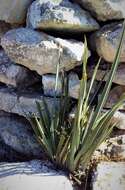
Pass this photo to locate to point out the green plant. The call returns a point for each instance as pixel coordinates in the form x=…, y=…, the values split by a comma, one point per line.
x=71, y=145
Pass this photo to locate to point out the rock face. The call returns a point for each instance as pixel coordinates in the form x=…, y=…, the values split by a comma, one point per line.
x=17, y=134
x=22, y=104
x=105, y=42
x=64, y=17
x=105, y=9
x=33, y=175
x=14, y=11
x=41, y=52
x=119, y=77
x=15, y=75
x=49, y=85
x=109, y=175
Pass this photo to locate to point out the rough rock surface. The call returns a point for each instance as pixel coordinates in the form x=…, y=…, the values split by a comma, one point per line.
x=109, y=175
x=114, y=97
x=4, y=27
x=41, y=52
x=64, y=17
x=105, y=42
x=17, y=134
x=15, y=75
x=32, y=175
x=105, y=9
x=14, y=11
x=119, y=77
x=22, y=104
x=119, y=117
x=49, y=85
x=112, y=149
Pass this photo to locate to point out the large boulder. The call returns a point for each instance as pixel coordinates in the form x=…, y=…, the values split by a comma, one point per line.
x=105, y=42
x=41, y=52
x=23, y=104
x=64, y=17
x=109, y=175
x=49, y=85
x=14, y=11
x=32, y=175
x=4, y=27
x=105, y=9
x=15, y=75
x=17, y=134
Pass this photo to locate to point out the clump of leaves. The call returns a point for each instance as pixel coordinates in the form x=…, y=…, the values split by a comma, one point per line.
x=71, y=145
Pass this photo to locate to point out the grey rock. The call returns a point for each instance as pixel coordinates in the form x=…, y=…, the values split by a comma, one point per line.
x=4, y=27
x=64, y=17
x=49, y=85
x=41, y=52
x=105, y=9
x=15, y=75
x=14, y=11
x=119, y=117
x=17, y=134
x=105, y=42
x=119, y=77
x=112, y=149
x=21, y=103
x=32, y=175
x=109, y=175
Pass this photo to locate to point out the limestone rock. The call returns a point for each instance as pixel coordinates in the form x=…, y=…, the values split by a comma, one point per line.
x=32, y=175
x=14, y=11
x=41, y=52
x=21, y=103
x=119, y=117
x=17, y=134
x=49, y=85
x=105, y=9
x=119, y=77
x=114, y=97
x=112, y=149
x=15, y=75
x=109, y=175
x=105, y=42
x=64, y=17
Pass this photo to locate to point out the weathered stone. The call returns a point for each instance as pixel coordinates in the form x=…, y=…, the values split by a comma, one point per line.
x=4, y=27
x=15, y=75
x=105, y=42
x=105, y=9
x=119, y=77
x=114, y=97
x=49, y=85
x=17, y=134
x=41, y=52
x=14, y=11
x=111, y=149
x=64, y=17
x=109, y=175
x=22, y=104
x=119, y=117
x=32, y=175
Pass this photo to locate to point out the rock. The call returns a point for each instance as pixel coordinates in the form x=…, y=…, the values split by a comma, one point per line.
x=49, y=85
x=14, y=11
x=114, y=97
x=41, y=52
x=119, y=117
x=112, y=149
x=119, y=77
x=17, y=134
x=4, y=27
x=106, y=40
x=23, y=104
x=15, y=75
x=105, y=9
x=32, y=175
x=109, y=175
x=64, y=17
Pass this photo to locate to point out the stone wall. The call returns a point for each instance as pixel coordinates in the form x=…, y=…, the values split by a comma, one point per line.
x=34, y=37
